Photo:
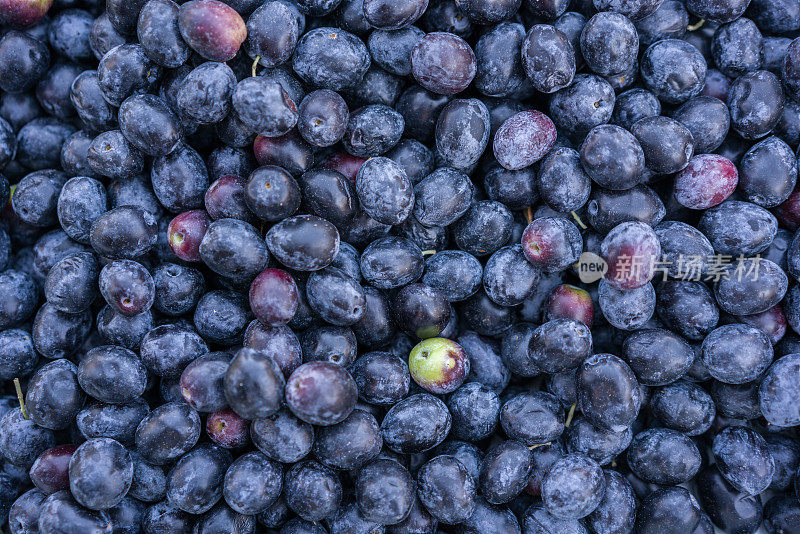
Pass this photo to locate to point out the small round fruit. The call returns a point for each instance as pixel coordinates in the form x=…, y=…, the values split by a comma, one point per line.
x=570, y=302
x=321, y=393
x=523, y=139
x=438, y=365
x=273, y=297
x=185, y=233
x=443, y=63
x=254, y=384
x=573, y=487
x=213, y=29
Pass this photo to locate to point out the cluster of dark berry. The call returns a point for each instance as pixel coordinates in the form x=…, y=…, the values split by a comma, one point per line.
x=399, y=266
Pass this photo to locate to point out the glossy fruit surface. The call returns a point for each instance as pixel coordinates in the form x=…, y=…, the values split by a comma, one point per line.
x=213, y=29
x=321, y=393
x=438, y=365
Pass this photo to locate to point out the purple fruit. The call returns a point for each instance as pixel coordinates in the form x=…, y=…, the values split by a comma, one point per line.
x=225, y=199
x=273, y=297
x=50, y=472
x=570, y=302
x=185, y=233
x=227, y=429
x=213, y=29
x=523, y=139
x=321, y=393
x=706, y=181
x=631, y=250
x=443, y=63
x=551, y=243
x=23, y=12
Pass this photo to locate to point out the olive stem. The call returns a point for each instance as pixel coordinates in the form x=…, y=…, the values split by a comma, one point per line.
x=20, y=398
x=571, y=413
x=696, y=26
x=580, y=222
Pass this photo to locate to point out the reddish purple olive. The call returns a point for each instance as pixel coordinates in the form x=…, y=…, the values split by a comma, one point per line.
x=23, y=12
x=50, y=472
x=772, y=322
x=225, y=199
x=443, y=63
x=273, y=297
x=631, y=250
x=552, y=243
x=570, y=302
x=289, y=151
x=227, y=429
x=202, y=382
x=706, y=181
x=185, y=233
x=344, y=163
x=213, y=29
x=788, y=212
x=127, y=287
